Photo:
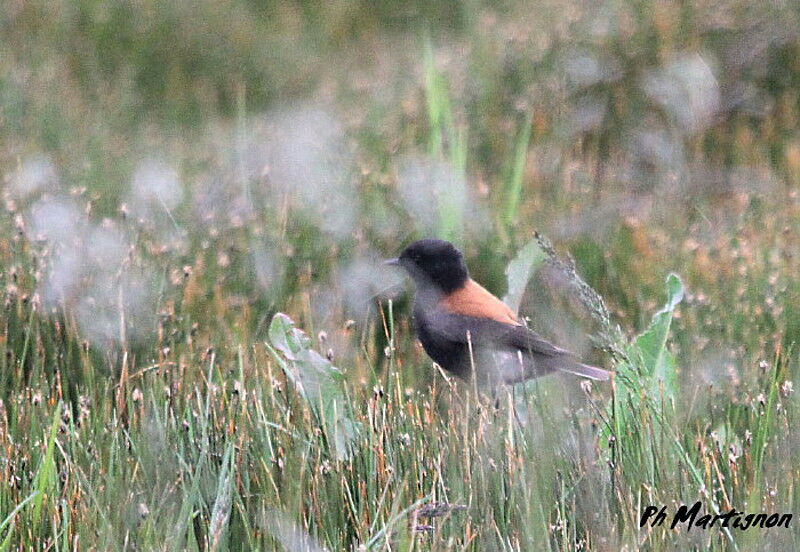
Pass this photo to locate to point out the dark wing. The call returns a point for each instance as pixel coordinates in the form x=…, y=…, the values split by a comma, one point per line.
x=540, y=356
x=485, y=331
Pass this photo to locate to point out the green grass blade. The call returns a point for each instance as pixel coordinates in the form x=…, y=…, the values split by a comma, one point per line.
x=516, y=175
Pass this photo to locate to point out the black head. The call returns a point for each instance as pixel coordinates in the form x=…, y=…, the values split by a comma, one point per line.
x=435, y=262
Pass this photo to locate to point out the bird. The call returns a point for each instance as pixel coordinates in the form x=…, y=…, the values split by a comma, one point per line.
x=462, y=326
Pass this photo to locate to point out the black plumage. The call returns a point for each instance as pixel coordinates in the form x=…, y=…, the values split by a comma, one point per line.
x=462, y=326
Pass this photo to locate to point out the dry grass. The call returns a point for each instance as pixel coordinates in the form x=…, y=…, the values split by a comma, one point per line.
x=171, y=181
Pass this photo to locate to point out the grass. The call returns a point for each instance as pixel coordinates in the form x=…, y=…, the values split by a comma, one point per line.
x=153, y=398
x=209, y=449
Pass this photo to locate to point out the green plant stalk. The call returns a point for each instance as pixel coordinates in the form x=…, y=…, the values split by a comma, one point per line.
x=8, y=522
x=44, y=483
x=517, y=173
x=761, y=437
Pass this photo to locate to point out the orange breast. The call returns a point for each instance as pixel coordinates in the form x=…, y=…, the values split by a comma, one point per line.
x=475, y=300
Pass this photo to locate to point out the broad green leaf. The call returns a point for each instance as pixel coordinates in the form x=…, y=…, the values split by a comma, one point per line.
x=317, y=380
x=286, y=338
x=519, y=272
x=651, y=345
x=651, y=368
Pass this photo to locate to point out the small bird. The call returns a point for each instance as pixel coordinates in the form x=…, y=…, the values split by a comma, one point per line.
x=461, y=325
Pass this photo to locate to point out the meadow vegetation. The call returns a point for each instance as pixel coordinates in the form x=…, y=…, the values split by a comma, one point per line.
x=201, y=350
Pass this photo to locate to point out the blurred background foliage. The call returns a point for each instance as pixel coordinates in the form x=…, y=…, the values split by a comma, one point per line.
x=654, y=129
x=175, y=173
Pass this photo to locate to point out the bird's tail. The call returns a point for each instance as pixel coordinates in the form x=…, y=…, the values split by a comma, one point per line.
x=584, y=370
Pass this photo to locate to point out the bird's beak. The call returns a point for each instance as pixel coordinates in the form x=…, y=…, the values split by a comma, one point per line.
x=392, y=262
